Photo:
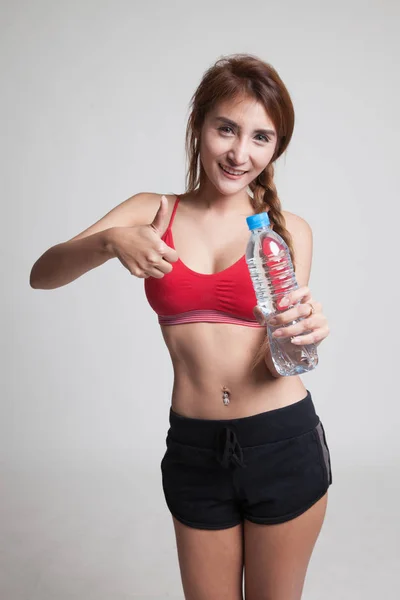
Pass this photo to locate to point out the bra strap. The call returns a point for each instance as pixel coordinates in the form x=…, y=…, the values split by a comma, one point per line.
x=173, y=212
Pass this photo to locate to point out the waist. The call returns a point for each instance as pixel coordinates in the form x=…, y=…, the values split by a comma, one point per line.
x=262, y=428
x=204, y=347
x=254, y=393
x=208, y=356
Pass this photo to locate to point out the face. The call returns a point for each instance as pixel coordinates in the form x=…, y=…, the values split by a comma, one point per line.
x=238, y=140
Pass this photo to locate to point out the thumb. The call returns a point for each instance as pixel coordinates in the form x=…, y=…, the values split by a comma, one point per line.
x=160, y=222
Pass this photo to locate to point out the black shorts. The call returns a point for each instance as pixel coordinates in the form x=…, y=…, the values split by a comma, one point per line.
x=267, y=468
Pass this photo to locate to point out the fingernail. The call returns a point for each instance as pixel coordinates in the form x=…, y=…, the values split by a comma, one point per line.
x=277, y=333
x=284, y=301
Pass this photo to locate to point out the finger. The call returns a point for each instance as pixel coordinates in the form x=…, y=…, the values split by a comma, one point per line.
x=302, y=294
x=153, y=259
x=298, y=311
x=136, y=272
x=149, y=271
x=303, y=326
x=162, y=265
x=160, y=221
x=169, y=254
x=154, y=272
x=314, y=337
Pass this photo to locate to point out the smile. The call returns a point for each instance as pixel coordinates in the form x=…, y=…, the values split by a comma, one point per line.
x=232, y=172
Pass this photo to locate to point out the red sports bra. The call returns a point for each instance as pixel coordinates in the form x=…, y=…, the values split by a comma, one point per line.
x=185, y=296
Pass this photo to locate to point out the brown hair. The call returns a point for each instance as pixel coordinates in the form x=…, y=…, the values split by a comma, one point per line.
x=231, y=77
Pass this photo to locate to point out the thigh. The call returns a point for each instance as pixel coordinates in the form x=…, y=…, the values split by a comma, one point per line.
x=277, y=556
x=210, y=561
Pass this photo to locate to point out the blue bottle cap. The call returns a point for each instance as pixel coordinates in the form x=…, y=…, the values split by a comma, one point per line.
x=258, y=220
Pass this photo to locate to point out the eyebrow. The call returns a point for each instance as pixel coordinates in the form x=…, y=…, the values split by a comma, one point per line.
x=233, y=124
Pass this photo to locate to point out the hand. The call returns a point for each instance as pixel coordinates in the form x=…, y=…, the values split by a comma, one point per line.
x=140, y=248
x=315, y=324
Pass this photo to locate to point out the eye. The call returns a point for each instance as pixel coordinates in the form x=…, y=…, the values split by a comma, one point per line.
x=264, y=137
x=224, y=128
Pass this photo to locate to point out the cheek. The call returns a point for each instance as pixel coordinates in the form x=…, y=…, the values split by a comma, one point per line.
x=212, y=146
x=262, y=159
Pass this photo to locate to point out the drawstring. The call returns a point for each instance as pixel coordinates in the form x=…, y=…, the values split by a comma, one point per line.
x=228, y=448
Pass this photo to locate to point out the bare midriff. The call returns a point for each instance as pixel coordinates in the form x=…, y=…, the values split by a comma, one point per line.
x=213, y=362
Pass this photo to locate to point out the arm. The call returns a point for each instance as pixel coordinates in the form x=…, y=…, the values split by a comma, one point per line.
x=65, y=262
x=91, y=248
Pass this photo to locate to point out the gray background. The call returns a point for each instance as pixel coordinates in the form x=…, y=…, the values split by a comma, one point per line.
x=94, y=105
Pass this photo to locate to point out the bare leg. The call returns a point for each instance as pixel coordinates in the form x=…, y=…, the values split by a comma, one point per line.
x=277, y=556
x=211, y=562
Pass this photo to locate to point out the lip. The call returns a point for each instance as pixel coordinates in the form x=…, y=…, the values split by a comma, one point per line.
x=229, y=175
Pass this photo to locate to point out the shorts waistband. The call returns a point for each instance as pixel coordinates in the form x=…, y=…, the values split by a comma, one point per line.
x=270, y=426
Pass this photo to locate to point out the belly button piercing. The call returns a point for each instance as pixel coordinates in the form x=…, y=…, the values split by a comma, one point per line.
x=225, y=396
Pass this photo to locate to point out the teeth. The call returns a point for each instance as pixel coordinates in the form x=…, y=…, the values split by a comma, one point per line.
x=232, y=172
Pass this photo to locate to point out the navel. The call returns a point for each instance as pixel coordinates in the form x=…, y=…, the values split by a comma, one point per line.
x=225, y=395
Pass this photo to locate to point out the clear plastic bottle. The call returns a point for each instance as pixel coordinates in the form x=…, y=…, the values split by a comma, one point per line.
x=271, y=271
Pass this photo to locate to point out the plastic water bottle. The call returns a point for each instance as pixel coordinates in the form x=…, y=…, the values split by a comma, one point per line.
x=272, y=274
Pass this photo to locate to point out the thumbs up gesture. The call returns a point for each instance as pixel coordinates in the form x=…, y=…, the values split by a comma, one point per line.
x=160, y=221
x=141, y=250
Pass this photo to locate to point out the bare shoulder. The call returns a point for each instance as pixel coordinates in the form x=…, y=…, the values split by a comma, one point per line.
x=142, y=207
x=139, y=209
x=296, y=225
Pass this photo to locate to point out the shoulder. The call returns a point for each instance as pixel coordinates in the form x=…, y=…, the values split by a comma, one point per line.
x=146, y=204
x=139, y=209
x=297, y=226
x=150, y=199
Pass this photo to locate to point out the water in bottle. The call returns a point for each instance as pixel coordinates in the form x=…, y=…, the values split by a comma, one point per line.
x=271, y=271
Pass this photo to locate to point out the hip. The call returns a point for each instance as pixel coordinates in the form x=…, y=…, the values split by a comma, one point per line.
x=267, y=468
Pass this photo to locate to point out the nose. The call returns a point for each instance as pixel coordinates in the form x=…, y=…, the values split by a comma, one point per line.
x=239, y=152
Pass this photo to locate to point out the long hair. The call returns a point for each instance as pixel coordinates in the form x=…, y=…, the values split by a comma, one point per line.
x=229, y=78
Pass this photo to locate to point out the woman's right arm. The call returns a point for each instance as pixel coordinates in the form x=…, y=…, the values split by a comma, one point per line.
x=91, y=248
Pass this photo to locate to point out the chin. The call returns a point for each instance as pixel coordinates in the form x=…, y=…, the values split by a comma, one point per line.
x=232, y=187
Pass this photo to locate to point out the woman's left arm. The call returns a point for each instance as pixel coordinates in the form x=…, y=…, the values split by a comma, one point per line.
x=313, y=320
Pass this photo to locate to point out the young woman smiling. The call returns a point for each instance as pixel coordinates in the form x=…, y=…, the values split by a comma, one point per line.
x=247, y=466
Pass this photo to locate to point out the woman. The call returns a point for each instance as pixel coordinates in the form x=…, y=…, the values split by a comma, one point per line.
x=247, y=468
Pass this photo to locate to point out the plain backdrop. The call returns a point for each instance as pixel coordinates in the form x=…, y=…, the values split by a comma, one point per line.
x=94, y=101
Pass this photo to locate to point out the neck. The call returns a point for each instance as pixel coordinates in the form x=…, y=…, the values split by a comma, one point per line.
x=211, y=200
